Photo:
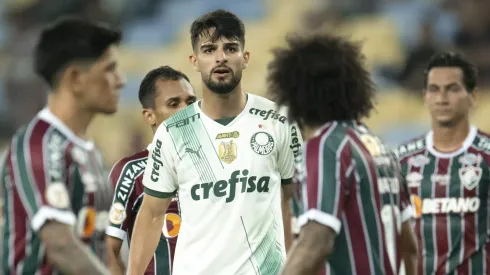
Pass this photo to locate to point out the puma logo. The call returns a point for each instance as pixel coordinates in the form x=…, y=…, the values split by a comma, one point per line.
x=196, y=152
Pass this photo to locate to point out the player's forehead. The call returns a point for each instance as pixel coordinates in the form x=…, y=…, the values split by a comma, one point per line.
x=210, y=38
x=441, y=76
x=173, y=89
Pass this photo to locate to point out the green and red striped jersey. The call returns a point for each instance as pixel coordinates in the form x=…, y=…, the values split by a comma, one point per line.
x=50, y=175
x=349, y=181
x=126, y=177
x=450, y=194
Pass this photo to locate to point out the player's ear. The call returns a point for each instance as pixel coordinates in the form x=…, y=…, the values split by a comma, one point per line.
x=149, y=117
x=246, y=57
x=74, y=77
x=473, y=96
x=194, y=62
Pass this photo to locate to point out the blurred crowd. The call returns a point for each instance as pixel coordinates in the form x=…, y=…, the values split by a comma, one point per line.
x=399, y=36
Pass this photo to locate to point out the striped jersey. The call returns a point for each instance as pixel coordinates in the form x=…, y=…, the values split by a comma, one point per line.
x=126, y=177
x=228, y=178
x=450, y=194
x=50, y=174
x=349, y=181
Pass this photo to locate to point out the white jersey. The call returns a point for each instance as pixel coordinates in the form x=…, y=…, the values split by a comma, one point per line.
x=228, y=180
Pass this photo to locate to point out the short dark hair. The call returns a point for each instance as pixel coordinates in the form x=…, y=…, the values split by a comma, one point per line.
x=321, y=78
x=71, y=39
x=457, y=60
x=147, y=90
x=225, y=23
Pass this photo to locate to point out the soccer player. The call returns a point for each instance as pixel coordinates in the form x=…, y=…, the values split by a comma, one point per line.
x=56, y=201
x=163, y=92
x=230, y=157
x=447, y=173
x=353, y=204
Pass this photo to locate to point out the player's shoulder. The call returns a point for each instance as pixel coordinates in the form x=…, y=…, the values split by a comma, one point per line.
x=181, y=118
x=411, y=147
x=331, y=135
x=482, y=141
x=267, y=110
x=139, y=159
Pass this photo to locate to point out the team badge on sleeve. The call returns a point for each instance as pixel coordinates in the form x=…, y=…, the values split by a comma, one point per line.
x=117, y=214
x=57, y=195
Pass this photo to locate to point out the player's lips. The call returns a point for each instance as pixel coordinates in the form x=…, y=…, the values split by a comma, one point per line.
x=221, y=71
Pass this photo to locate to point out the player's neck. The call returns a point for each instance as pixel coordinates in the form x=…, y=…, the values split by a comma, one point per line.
x=217, y=106
x=450, y=139
x=65, y=109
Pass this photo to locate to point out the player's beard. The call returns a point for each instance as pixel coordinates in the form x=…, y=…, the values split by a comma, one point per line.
x=222, y=87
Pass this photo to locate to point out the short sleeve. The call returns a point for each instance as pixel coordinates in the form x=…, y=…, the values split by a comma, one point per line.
x=328, y=172
x=290, y=149
x=160, y=179
x=121, y=215
x=39, y=173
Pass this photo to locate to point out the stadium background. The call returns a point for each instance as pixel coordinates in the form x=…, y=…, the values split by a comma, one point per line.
x=398, y=37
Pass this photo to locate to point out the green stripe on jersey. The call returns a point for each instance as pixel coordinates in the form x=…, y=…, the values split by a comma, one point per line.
x=454, y=222
x=162, y=258
x=329, y=147
x=342, y=247
x=427, y=221
x=269, y=253
x=26, y=189
x=368, y=210
x=196, y=141
x=32, y=263
x=158, y=194
x=6, y=195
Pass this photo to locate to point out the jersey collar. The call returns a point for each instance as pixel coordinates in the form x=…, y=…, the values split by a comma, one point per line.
x=46, y=115
x=429, y=142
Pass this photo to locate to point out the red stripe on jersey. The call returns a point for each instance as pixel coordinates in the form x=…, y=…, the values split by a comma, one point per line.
x=441, y=231
x=312, y=154
x=377, y=200
x=37, y=155
x=469, y=230
x=417, y=205
x=357, y=238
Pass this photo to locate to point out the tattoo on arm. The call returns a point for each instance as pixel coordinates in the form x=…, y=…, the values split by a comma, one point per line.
x=308, y=255
x=62, y=247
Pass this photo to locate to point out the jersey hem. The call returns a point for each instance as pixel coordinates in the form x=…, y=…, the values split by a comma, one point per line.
x=46, y=213
x=115, y=232
x=159, y=194
x=321, y=218
x=407, y=213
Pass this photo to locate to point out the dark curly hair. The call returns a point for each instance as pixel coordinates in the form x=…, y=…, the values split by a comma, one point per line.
x=321, y=78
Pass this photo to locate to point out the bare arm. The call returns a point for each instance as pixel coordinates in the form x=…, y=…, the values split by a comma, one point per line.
x=308, y=254
x=408, y=248
x=114, y=245
x=62, y=247
x=146, y=232
x=286, y=195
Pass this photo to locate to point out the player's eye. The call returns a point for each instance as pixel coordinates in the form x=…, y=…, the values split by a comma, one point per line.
x=454, y=88
x=231, y=49
x=189, y=102
x=208, y=50
x=433, y=89
x=173, y=104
